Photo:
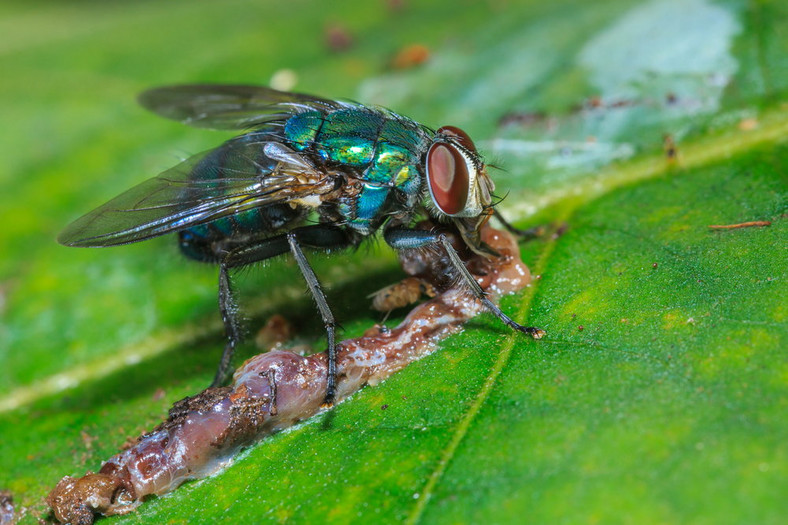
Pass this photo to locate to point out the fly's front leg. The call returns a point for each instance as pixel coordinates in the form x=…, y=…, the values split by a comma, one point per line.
x=536, y=333
x=529, y=234
x=401, y=239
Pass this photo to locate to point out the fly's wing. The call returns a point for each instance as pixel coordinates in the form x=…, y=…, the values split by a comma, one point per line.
x=227, y=106
x=243, y=173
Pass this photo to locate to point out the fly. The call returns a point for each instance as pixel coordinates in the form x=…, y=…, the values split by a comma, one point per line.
x=357, y=169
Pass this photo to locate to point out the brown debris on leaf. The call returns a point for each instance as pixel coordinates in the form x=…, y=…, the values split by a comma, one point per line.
x=78, y=500
x=750, y=224
x=274, y=390
x=337, y=38
x=408, y=291
x=410, y=56
x=274, y=332
x=7, y=511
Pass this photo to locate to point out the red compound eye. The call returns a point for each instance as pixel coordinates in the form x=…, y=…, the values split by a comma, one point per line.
x=459, y=136
x=448, y=178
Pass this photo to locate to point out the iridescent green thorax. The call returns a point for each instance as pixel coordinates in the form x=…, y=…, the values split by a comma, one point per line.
x=384, y=147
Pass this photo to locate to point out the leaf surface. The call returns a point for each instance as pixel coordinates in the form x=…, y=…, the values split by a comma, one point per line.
x=660, y=392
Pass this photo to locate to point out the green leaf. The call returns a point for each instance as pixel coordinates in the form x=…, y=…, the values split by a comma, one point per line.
x=660, y=392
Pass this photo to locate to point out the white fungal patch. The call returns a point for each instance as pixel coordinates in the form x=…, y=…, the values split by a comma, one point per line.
x=685, y=45
x=374, y=358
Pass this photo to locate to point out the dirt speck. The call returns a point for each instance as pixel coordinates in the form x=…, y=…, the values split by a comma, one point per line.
x=276, y=331
x=7, y=511
x=337, y=38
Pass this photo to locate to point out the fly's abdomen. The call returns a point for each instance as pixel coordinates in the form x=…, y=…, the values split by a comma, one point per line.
x=219, y=171
x=210, y=241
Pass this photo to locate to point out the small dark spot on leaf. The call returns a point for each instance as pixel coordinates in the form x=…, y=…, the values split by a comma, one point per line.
x=337, y=38
x=87, y=439
x=669, y=147
x=384, y=407
x=523, y=119
x=395, y=5
x=560, y=231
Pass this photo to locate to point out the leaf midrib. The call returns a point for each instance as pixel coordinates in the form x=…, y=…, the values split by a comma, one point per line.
x=773, y=126
x=461, y=430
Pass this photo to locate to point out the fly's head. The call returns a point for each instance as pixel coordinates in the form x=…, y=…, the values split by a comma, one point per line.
x=460, y=189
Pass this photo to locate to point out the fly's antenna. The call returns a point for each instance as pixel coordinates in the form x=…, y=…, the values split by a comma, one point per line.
x=498, y=199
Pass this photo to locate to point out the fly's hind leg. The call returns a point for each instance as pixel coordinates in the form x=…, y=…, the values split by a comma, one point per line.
x=319, y=236
x=232, y=326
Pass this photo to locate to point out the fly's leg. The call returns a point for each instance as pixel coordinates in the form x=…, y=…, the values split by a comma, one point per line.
x=400, y=239
x=534, y=332
x=325, y=313
x=271, y=375
x=529, y=234
x=319, y=236
x=232, y=326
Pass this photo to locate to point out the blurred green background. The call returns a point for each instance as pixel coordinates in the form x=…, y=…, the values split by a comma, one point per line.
x=659, y=395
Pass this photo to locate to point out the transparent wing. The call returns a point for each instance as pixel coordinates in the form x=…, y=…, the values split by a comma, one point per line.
x=239, y=175
x=227, y=106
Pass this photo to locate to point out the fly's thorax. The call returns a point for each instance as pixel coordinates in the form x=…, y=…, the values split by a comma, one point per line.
x=386, y=148
x=381, y=150
x=345, y=136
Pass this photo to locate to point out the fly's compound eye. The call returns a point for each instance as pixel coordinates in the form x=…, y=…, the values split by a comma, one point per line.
x=459, y=136
x=448, y=176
